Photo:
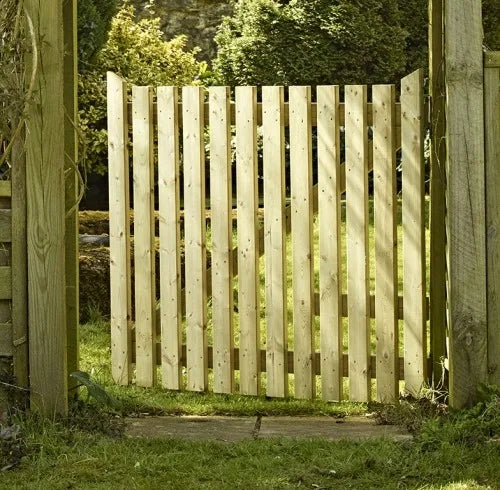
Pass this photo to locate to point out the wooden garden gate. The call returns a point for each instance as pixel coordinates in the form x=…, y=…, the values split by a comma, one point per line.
x=343, y=318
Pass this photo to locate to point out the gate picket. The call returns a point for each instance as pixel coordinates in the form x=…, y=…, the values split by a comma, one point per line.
x=170, y=236
x=194, y=237
x=273, y=130
x=302, y=244
x=358, y=280
x=119, y=231
x=329, y=242
x=144, y=236
x=248, y=244
x=412, y=136
x=222, y=239
x=386, y=279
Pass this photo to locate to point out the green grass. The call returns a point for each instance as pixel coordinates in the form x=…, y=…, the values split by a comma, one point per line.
x=78, y=455
x=95, y=359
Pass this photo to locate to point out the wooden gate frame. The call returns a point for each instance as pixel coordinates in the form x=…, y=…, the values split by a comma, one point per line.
x=52, y=237
x=51, y=215
x=464, y=250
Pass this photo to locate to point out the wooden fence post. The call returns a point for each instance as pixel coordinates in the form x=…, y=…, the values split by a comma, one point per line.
x=466, y=200
x=492, y=137
x=46, y=213
x=437, y=251
x=71, y=183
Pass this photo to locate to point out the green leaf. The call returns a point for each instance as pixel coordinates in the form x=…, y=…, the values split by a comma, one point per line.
x=94, y=389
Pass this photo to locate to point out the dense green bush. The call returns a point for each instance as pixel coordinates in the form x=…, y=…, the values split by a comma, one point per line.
x=491, y=24
x=137, y=51
x=414, y=20
x=94, y=19
x=311, y=42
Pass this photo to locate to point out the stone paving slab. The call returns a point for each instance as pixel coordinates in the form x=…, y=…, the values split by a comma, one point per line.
x=226, y=429
x=233, y=429
x=351, y=428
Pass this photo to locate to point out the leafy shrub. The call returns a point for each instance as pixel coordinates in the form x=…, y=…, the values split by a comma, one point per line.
x=414, y=20
x=137, y=51
x=466, y=427
x=269, y=42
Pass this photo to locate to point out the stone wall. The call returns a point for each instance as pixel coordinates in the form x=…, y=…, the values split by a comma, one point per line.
x=198, y=19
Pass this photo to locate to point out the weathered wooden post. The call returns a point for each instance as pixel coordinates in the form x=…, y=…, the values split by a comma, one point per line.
x=466, y=200
x=492, y=155
x=71, y=181
x=437, y=189
x=45, y=163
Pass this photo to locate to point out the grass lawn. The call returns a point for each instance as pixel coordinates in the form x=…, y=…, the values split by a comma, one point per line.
x=84, y=453
x=89, y=450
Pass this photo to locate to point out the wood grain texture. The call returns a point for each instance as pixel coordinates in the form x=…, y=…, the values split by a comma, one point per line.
x=314, y=114
x=194, y=236
x=5, y=282
x=412, y=136
x=170, y=237
x=358, y=279
x=248, y=245
x=72, y=186
x=6, y=224
x=144, y=235
x=119, y=230
x=437, y=250
x=6, y=345
x=302, y=244
x=466, y=201
x=273, y=129
x=386, y=259
x=19, y=262
x=492, y=154
x=222, y=239
x=5, y=188
x=46, y=215
x=330, y=294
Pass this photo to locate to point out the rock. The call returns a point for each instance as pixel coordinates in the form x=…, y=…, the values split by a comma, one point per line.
x=198, y=19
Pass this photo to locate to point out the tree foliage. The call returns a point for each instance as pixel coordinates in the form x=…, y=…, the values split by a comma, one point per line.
x=311, y=42
x=94, y=19
x=137, y=51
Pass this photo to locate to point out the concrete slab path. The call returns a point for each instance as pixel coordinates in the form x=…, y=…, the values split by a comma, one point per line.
x=233, y=429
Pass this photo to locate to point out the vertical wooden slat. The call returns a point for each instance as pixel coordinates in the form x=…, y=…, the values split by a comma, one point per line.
x=170, y=236
x=19, y=261
x=119, y=230
x=437, y=272
x=194, y=236
x=386, y=279
x=358, y=284
x=144, y=236
x=273, y=129
x=412, y=145
x=492, y=137
x=72, y=185
x=248, y=245
x=222, y=241
x=329, y=242
x=302, y=244
x=46, y=214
